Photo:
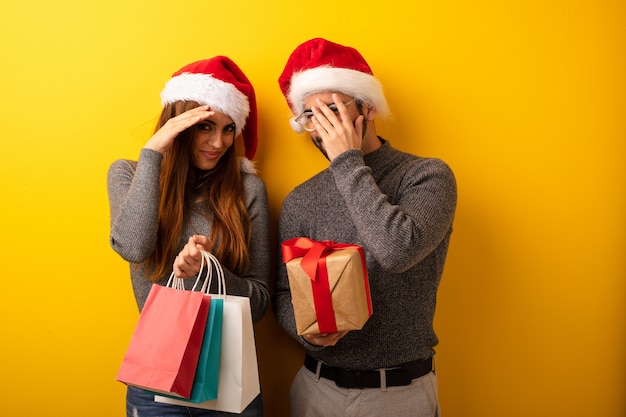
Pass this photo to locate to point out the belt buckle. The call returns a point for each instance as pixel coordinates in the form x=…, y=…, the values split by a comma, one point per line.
x=352, y=379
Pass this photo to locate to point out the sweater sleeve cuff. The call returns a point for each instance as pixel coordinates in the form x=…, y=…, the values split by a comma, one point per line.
x=149, y=164
x=347, y=161
x=150, y=155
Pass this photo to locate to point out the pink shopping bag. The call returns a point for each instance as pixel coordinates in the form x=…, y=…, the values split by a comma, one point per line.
x=165, y=346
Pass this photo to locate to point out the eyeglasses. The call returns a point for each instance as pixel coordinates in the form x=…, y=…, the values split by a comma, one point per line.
x=305, y=117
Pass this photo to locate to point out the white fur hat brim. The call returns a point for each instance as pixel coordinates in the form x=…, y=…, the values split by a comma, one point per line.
x=360, y=85
x=208, y=90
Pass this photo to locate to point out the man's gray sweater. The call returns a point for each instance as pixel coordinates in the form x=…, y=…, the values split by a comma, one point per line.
x=400, y=209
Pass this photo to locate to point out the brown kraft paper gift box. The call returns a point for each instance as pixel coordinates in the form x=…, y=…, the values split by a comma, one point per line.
x=337, y=298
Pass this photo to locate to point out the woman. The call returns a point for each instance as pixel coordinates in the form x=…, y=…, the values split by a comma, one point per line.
x=190, y=191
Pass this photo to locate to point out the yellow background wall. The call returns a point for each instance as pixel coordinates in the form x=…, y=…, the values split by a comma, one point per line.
x=524, y=99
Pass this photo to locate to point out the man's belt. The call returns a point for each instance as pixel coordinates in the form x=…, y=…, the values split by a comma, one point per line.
x=389, y=377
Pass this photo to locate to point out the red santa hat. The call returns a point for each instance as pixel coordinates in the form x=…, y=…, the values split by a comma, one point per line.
x=319, y=65
x=219, y=83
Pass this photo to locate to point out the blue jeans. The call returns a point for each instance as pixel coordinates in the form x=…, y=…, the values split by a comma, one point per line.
x=140, y=403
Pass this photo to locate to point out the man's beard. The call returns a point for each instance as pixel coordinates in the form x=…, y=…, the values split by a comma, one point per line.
x=317, y=141
x=319, y=144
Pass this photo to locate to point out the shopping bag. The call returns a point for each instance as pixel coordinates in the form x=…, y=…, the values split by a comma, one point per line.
x=164, y=350
x=238, y=371
x=206, y=380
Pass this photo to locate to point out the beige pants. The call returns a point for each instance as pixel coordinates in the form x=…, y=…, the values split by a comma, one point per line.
x=323, y=398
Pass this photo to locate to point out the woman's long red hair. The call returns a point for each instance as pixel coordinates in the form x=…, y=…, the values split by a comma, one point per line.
x=183, y=188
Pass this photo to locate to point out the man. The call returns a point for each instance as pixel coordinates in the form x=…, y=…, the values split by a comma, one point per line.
x=399, y=208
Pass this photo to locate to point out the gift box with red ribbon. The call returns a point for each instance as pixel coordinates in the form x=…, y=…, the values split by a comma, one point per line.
x=329, y=286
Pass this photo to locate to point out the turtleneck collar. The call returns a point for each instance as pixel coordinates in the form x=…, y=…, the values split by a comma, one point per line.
x=380, y=155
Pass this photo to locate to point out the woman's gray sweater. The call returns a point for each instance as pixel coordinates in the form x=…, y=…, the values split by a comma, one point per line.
x=133, y=189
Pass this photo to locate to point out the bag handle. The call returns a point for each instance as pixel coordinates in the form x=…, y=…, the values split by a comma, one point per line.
x=209, y=260
x=175, y=282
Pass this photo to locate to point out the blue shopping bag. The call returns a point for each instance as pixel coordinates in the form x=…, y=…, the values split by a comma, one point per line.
x=207, y=373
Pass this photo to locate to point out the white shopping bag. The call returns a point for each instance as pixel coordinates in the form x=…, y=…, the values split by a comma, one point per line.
x=239, y=373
